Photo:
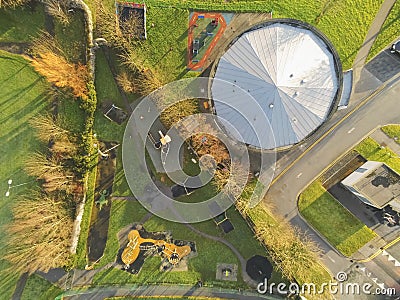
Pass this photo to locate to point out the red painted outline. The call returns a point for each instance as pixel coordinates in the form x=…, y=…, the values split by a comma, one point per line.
x=192, y=21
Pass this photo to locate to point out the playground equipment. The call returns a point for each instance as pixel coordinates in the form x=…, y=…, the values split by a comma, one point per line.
x=171, y=252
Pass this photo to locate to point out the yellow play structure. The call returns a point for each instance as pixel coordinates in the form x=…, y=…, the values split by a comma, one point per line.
x=172, y=252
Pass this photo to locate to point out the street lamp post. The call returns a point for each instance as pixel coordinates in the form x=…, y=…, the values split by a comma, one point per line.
x=10, y=186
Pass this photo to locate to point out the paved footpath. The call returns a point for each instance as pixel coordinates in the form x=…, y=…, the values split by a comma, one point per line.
x=166, y=291
x=369, y=40
x=380, y=137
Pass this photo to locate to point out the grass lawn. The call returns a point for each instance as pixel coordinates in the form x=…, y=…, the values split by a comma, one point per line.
x=81, y=249
x=393, y=131
x=371, y=150
x=70, y=115
x=170, y=30
x=345, y=22
x=389, y=31
x=39, y=289
x=72, y=37
x=203, y=266
x=106, y=88
x=123, y=213
x=22, y=96
x=341, y=228
x=13, y=23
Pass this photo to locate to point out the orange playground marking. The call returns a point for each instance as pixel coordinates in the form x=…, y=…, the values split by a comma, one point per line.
x=221, y=21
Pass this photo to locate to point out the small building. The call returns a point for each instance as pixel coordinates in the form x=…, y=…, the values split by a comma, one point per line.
x=375, y=184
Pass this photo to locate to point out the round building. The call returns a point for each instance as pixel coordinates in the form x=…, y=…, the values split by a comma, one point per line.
x=290, y=70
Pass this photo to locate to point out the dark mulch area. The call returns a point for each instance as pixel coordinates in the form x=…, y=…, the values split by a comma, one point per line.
x=258, y=268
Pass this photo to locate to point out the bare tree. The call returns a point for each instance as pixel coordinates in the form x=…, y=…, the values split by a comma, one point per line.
x=59, y=10
x=231, y=179
x=38, y=164
x=40, y=234
x=132, y=26
x=178, y=111
x=50, y=61
x=58, y=181
x=64, y=147
x=12, y=3
x=48, y=128
x=125, y=81
x=293, y=253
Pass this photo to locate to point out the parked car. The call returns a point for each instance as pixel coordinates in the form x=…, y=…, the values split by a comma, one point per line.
x=395, y=47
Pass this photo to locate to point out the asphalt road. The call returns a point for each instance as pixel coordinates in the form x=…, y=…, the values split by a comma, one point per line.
x=382, y=109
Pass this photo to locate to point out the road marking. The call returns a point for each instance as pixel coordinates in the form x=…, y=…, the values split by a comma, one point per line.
x=299, y=175
x=351, y=130
x=358, y=106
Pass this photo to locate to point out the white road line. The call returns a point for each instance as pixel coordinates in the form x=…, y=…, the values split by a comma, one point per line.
x=351, y=130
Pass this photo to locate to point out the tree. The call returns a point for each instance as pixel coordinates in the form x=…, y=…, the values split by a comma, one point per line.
x=12, y=3
x=209, y=143
x=132, y=26
x=63, y=147
x=145, y=79
x=48, y=128
x=125, y=81
x=61, y=181
x=292, y=252
x=50, y=61
x=59, y=10
x=178, y=111
x=38, y=164
x=231, y=179
x=40, y=234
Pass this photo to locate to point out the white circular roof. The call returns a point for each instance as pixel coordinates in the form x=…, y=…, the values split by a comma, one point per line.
x=290, y=73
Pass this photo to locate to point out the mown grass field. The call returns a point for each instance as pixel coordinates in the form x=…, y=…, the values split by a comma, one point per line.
x=340, y=227
x=22, y=96
x=39, y=289
x=21, y=24
x=344, y=22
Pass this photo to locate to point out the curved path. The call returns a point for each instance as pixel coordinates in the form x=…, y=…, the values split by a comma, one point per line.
x=165, y=291
x=246, y=278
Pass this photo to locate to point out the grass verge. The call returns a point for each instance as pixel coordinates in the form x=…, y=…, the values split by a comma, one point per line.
x=392, y=131
x=123, y=213
x=371, y=150
x=315, y=273
x=81, y=249
x=340, y=227
x=39, y=288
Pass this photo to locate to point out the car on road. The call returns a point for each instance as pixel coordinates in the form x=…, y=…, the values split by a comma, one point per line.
x=395, y=47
